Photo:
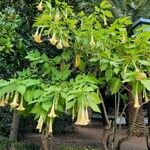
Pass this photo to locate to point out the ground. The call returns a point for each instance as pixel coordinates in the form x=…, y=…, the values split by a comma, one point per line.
x=86, y=136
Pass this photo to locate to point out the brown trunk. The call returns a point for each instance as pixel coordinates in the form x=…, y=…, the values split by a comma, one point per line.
x=139, y=127
x=14, y=127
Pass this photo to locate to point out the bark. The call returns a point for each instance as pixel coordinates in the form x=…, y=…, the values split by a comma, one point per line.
x=14, y=126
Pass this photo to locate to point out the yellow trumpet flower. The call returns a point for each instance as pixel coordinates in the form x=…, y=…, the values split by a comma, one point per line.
x=53, y=40
x=105, y=21
x=145, y=96
x=77, y=60
x=82, y=118
x=87, y=115
x=52, y=112
x=14, y=104
x=136, y=98
x=59, y=45
x=50, y=130
x=37, y=37
x=7, y=98
x=92, y=42
x=40, y=123
x=2, y=102
x=21, y=108
x=57, y=16
x=66, y=43
x=39, y=6
x=123, y=38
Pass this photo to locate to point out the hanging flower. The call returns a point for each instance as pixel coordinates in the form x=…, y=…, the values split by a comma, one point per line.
x=53, y=40
x=57, y=16
x=77, y=60
x=7, y=98
x=14, y=104
x=140, y=75
x=105, y=21
x=40, y=7
x=52, y=112
x=59, y=45
x=82, y=118
x=66, y=43
x=73, y=113
x=21, y=108
x=92, y=42
x=123, y=38
x=50, y=125
x=2, y=102
x=37, y=37
x=87, y=115
x=145, y=96
x=40, y=123
x=136, y=98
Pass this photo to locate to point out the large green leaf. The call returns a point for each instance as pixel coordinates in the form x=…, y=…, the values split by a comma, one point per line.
x=115, y=85
x=21, y=89
x=146, y=83
x=93, y=106
x=28, y=95
x=94, y=97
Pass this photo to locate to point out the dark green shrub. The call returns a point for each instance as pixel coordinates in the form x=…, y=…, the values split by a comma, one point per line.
x=5, y=144
x=5, y=121
x=63, y=124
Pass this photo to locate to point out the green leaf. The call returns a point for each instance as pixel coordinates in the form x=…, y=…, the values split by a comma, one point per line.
x=94, y=97
x=105, y=5
x=21, y=89
x=46, y=105
x=28, y=95
x=37, y=93
x=108, y=14
x=108, y=74
x=115, y=85
x=146, y=84
x=93, y=106
x=70, y=104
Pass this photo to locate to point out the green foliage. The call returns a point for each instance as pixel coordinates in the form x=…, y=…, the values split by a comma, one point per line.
x=5, y=121
x=89, y=52
x=63, y=125
x=5, y=144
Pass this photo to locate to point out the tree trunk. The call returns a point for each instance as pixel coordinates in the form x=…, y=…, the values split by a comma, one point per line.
x=14, y=127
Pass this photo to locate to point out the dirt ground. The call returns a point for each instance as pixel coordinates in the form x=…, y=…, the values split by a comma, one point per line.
x=84, y=137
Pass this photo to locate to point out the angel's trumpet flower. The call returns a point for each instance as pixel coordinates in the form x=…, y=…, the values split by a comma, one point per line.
x=2, y=102
x=77, y=60
x=40, y=123
x=57, y=16
x=136, y=98
x=7, y=98
x=92, y=42
x=40, y=6
x=52, y=112
x=14, y=104
x=50, y=125
x=53, y=40
x=37, y=37
x=59, y=45
x=21, y=108
x=105, y=21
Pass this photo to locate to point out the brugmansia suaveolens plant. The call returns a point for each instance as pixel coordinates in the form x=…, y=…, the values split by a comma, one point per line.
x=95, y=51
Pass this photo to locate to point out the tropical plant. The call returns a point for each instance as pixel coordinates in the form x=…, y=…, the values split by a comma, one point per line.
x=90, y=53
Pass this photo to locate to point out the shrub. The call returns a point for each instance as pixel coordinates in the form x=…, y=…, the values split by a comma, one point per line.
x=5, y=144
x=63, y=124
